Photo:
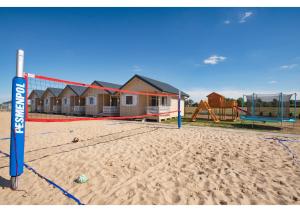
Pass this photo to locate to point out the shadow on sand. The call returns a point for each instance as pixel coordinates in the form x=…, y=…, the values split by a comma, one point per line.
x=257, y=127
x=4, y=183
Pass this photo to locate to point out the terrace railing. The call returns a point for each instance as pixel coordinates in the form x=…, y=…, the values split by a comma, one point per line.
x=78, y=109
x=56, y=108
x=39, y=108
x=111, y=110
x=157, y=109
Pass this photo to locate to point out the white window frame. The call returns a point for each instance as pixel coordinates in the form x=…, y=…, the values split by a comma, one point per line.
x=126, y=97
x=65, y=101
x=166, y=101
x=134, y=100
x=88, y=100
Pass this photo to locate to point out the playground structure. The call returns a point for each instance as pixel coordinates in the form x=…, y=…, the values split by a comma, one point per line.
x=218, y=103
x=269, y=108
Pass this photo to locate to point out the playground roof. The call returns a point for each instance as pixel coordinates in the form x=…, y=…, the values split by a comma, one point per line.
x=215, y=94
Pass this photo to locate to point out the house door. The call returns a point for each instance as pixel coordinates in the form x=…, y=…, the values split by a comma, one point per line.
x=114, y=101
x=51, y=103
x=154, y=101
x=99, y=102
x=36, y=103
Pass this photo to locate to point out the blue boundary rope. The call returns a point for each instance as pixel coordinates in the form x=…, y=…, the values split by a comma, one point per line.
x=281, y=142
x=49, y=181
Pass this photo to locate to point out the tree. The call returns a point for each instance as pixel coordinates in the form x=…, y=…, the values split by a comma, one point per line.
x=240, y=101
x=188, y=102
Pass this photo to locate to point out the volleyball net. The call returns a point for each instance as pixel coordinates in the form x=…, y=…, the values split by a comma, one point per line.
x=57, y=100
x=45, y=99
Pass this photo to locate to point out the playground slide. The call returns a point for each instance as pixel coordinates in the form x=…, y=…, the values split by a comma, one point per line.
x=240, y=109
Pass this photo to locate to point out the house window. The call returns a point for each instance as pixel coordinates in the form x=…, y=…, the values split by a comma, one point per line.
x=91, y=101
x=129, y=100
x=154, y=101
x=164, y=101
x=47, y=101
x=65, y=101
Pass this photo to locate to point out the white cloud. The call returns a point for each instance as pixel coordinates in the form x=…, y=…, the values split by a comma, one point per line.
x=137, y=68
x=214, y=59
x=227, y=22
x=198, y=94
x=272, y=82
x=245, y=16
x=287, y=67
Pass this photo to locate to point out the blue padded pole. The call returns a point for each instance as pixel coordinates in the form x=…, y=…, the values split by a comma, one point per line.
x=18, y=111
x=281, y=106
x=179, y=112
x=295, y=107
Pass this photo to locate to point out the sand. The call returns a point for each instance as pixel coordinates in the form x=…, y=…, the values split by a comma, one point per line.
x=151, y=163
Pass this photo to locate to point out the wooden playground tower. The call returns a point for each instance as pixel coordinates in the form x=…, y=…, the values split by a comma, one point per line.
x=217, y=102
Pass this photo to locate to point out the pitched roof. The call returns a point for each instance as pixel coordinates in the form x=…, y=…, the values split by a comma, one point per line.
x=161, y=86
x=54, y=91
x=6, y=103
x=39, y=93
x=108, y=85
x=215, y=94
x=78, y=90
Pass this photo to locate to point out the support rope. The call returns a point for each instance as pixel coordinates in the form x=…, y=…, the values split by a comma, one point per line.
x=66, y=193
x=281, y=142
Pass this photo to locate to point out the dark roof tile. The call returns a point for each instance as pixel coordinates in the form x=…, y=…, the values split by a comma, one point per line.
x=162, y=86
x=78, y=90
x=108, y=85
x=54, y=91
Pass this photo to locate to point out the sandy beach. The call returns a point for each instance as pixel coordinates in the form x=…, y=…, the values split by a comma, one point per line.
x=151, y=163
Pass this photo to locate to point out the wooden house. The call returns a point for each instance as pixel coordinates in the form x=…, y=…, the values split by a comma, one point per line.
x=51, y=100
x=36, y=101
x=72, y=101
x=134, y=105
x=101, y=102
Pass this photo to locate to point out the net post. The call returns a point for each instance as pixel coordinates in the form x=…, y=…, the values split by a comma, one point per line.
x=281, y=105
x=295, y=107
x=243, y=102
x=252, y=108
x=18, y=112
x=179, y=110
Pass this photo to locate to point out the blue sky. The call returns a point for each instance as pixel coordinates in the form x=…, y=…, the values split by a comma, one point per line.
x=199, y=50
